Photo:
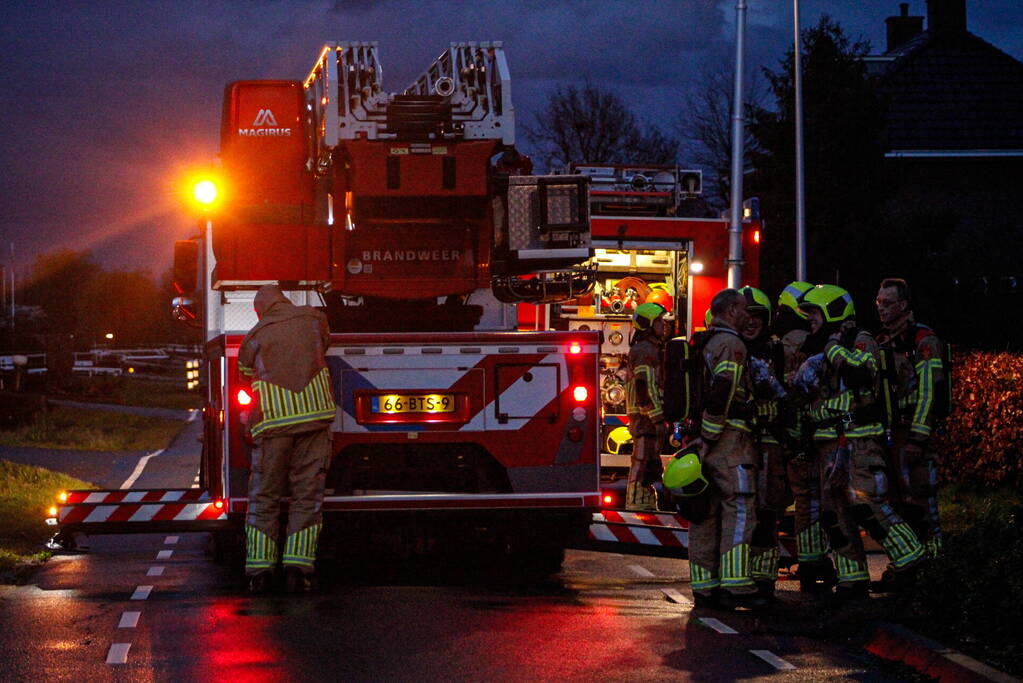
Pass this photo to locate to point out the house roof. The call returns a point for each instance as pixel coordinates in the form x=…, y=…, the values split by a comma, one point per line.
x=954, y=92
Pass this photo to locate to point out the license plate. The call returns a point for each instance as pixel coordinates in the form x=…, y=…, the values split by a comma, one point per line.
x=390, y=404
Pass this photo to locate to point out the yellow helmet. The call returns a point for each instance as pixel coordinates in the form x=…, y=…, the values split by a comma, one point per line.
x=835, y=303
x=618, y=437
x=793, y=294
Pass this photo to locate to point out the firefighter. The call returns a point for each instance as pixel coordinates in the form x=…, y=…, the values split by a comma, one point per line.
x=816, y=571
x=773, y=497
x=644, y=400
x=720, y=543
x=920, y=381
x=847, y=423
x=283, y=356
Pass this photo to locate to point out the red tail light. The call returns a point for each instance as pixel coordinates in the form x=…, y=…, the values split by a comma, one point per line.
x=608, y=499
x=756, y=236
x=244, y=398
x=218, y=503
x=575, y=347
x=580, y=394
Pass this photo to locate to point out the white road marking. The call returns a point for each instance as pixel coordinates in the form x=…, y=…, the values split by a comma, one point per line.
x=118, y=653
x=773, y=659
x=129, y=619
x=141, y=593
x=155, y=571
x=640, y=570
x=170, y=540
x=194, y=415
x=137, y=472
x=164, y=554
x=717, y=625
x=676, y=596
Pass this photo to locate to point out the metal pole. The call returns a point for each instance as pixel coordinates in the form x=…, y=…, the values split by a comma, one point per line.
x=797, y=66
x=735, y=223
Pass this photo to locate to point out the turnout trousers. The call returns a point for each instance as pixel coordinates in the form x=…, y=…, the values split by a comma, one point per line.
x=719, y=546
x=295, y=463
x=854, y=490
x=645, y=469
x=918, y=478
x=773, y=497
x=804, y=480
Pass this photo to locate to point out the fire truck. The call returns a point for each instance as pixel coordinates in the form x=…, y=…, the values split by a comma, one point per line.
x=409, y=220
x=644, y=245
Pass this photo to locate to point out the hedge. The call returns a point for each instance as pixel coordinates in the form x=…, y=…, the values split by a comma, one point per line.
x=982, y=439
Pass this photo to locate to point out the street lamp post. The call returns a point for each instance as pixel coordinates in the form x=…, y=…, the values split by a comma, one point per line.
x=735, y=219
x=797, y=74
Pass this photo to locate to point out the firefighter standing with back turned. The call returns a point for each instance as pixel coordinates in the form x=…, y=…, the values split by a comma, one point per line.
x=283, y=355
x=719, y=545
x=645, y=411
x=922, y=395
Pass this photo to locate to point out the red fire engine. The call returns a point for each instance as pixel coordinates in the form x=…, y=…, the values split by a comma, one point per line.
x=402, y=216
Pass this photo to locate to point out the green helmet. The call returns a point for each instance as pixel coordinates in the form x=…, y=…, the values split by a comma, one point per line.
x=683, y=475
x=835, y=303
x=757, y=302
x=793, y=295
x=645, y=315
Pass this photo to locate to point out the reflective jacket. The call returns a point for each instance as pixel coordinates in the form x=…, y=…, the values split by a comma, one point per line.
x=846, y=391
x=283, y=355
x=644, y=387
x=727, y=400
x=920, y=372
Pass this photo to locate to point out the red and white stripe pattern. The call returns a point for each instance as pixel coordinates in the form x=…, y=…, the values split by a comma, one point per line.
x=642, y=528
x=661, y=529
x=166, y=505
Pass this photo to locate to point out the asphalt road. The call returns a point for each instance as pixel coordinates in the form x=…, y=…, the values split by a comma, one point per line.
x=155, y=607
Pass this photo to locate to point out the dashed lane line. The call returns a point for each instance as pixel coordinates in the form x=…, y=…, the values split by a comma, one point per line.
x=718, y=626
x=142, y=593
x=170, y=540
x=118, y=653
x=164, y=554
x=129, y=619
x=194, y=415
x=773, y=659
x=155, y=571
x=641, y=570
x=677, y=596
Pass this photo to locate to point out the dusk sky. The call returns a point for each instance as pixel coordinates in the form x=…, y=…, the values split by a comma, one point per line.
x=104, y=106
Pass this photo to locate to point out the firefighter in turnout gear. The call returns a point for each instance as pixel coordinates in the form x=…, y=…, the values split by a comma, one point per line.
x=842, y=377
x=921, y=399
x=283, y=356
x=645, y=411
x=770, y=436
x=720, y=543
x=815, y=571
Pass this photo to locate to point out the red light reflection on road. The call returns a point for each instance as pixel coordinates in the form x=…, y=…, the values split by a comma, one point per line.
x=238, y=645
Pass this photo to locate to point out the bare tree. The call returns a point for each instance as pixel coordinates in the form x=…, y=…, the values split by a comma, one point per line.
x=592, y=125
x=705, y=126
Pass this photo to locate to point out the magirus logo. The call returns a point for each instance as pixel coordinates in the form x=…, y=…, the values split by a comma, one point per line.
x=265, y=125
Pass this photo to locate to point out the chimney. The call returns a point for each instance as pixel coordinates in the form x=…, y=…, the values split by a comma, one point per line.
x=903, y=28
x=946, y=17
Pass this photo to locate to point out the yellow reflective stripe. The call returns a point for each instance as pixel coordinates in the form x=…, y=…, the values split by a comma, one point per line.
x=711, y=427
x=924, y=396
x=245, y=369
x=853, y=357
x=281, y=406
x=653, y=391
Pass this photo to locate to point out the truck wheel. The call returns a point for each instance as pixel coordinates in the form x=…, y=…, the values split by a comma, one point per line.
x=538, y=561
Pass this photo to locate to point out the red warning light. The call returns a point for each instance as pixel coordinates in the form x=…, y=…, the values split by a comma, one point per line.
x=575, y=347
x=244, y=398
x=756, y=236
x=608, y=499
x=219, y=503
x=580, y=394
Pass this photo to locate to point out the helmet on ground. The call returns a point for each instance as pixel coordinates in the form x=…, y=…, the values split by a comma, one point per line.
x=645, y=315
x=661, y=297
x=792, y=296
x=757, y=302
x=617, y=438
x=835, y=303
x=683, y=475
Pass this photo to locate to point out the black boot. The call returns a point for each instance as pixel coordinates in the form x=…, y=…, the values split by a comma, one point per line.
x=261, y=583
x=297, y=581
x=892, y=581
x=751, y=601
x=847, y=593
x=704, y=601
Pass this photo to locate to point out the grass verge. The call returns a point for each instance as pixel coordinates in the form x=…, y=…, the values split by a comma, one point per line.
x=971, y=597
x=26, y=493
x=129, y=391
x=93, y=430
